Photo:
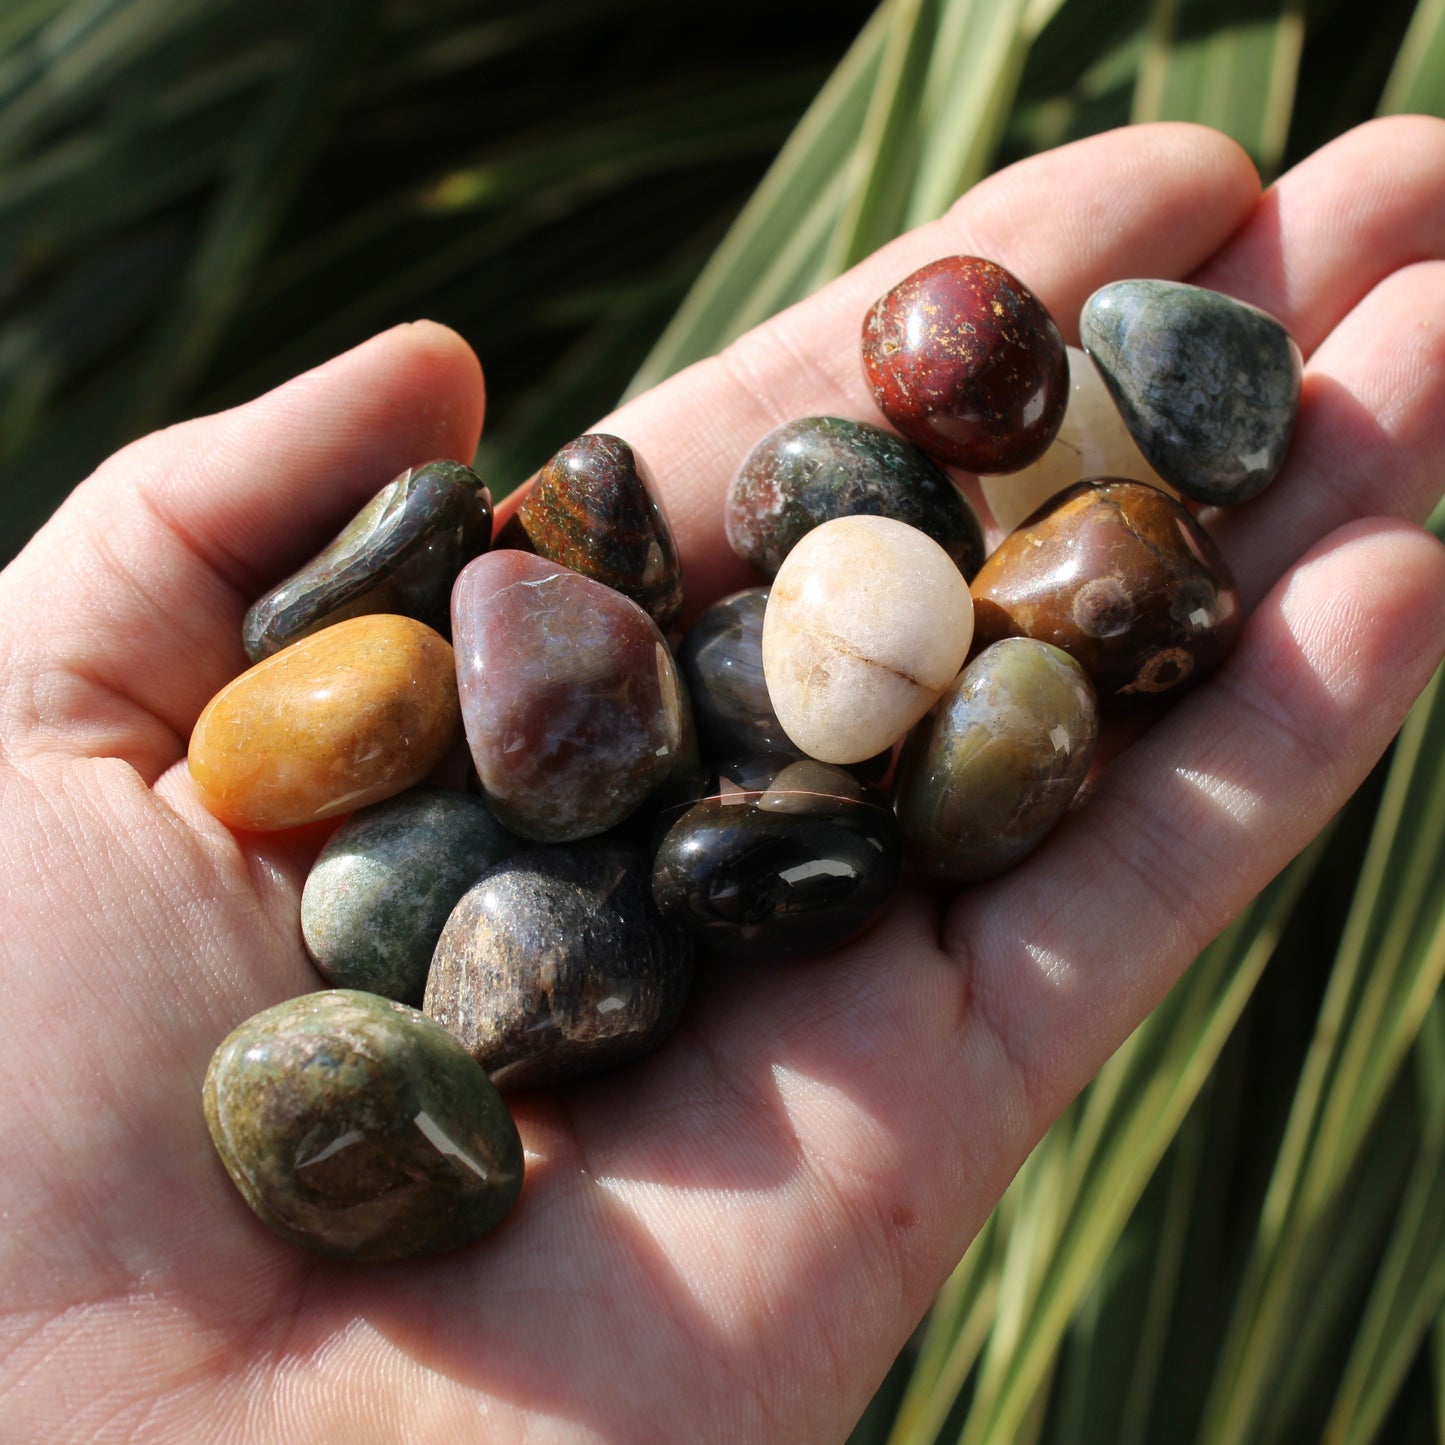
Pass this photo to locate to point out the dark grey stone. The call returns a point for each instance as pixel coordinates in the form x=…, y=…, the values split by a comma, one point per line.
x=555, y=965
x=378, y=896
x=1208, y=386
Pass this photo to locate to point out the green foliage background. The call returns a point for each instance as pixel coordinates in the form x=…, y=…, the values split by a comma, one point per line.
x=1237, y=1234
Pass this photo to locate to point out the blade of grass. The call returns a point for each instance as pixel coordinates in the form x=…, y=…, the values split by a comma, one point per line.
x=285, y=136
x=1417, y=80
x=1376, y=977
x=814, y=154
x=1409, y=1288
x=1231, y=64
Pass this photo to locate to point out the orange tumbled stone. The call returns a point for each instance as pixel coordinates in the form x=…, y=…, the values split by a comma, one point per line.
x=345, y=717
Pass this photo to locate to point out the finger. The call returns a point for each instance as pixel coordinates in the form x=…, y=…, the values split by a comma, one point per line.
x=1329, y=230
x=1151, y=200
x=1370, y=431
x=1068, y=954
x=122, y=618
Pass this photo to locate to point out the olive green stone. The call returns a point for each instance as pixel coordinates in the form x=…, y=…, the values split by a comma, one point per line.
x=400, y=553
x=984, y=777
x=377, y=897
x=356, y=1127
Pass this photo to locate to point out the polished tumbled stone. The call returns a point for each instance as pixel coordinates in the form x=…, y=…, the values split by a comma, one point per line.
x=377, y=898
x=594, y=508
x=990, y=771
x=569, y=695
x=348, y=716
x=1092, y=441
x=400, y=553
x=1121, y=577
x=967, y=363
x=554, y=965
x=782, y=857
x=868, y=620
x=1208, y=386
x=354, y=1126
x=811, y=470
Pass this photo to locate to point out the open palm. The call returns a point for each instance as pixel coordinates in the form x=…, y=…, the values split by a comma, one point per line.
x=730, y=1240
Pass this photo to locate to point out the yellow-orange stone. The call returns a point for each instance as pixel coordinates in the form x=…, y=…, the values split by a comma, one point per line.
x=345, y=717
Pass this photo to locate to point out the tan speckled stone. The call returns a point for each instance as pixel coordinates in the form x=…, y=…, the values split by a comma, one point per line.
x=867, y=622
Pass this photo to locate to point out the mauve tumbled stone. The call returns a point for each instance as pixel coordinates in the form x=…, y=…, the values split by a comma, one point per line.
x=1208, y=386
x=569, y=696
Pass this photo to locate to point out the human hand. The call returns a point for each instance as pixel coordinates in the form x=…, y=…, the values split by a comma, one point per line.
x=730, y=1240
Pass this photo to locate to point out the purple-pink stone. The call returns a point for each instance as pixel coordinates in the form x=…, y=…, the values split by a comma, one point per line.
x=569, y=696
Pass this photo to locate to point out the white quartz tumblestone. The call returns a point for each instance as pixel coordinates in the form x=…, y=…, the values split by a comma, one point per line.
x=867, y=622
x=1092, y=442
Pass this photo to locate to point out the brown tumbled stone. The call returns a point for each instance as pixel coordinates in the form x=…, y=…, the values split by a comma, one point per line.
x=1121, y=577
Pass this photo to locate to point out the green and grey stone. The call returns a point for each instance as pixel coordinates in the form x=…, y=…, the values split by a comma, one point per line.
x=989, y=772
x=378, y=896
x=400, y=553
x=809, y=471
x=356, y=1127
x=555, y=965
x=1208, y=386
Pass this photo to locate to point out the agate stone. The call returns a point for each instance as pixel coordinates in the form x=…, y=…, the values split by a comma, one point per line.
x=868, y=620
x=555, y=965
x=1121, y=577
x=990, y=771
x=965, y=361
x=1092, y=441
x=356, y=1127
x=809, y=471
x=594, y=509
x=376, y=899
x=1208, y=386
x=345, y=717
x=569, y=696
x=400, y=554
x=783, y=857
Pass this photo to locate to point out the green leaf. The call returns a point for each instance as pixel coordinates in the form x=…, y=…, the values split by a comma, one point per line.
x=1417, y=81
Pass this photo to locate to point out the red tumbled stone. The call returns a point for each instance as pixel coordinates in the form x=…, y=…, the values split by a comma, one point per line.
x=966, y=363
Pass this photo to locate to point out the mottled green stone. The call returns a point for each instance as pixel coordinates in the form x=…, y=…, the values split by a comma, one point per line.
x=986, y=775
x=356, y=1127
x=593, y=508
x=555, y=966
x=376, y=899
x=809, y=471
x=400, y=553
x=1208, y=386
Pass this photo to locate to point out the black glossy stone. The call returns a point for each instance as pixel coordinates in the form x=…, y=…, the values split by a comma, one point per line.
x=400, y=553
x=555, y=966
x=785, y=857
x=807, y=472
x=1208, y=386
x=377, y=898
x=989, y=772
x=721, y=661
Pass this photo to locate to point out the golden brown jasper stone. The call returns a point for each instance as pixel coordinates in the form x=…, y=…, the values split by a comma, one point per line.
x=342, y=718
x=1121, y=577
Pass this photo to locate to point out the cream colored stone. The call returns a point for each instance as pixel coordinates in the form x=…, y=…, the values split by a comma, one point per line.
x=1092, y=442
x=867, y=622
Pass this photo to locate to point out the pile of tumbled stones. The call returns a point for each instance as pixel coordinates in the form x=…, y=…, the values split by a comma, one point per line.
x=627, y=805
